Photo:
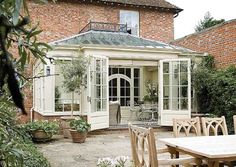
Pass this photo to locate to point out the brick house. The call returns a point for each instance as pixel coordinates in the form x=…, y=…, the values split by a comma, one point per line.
x=126, y=43
x=219, y=41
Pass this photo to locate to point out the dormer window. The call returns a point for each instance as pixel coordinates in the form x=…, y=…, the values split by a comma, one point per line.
x=131, y=18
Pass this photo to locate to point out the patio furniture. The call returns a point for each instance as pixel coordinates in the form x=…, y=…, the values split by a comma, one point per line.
x=114, y=113
x=148, y=108
x=212, y=149
x=144, y=152
x=189, y=126
x=214, y=126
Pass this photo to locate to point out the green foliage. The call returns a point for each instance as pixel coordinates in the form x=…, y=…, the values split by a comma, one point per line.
x=151, y=92
x=216, y=91
x=16, y=148
x=17, y=33
x=74, y=73
x=50, y=127
x=207, y=22
x=79, y=125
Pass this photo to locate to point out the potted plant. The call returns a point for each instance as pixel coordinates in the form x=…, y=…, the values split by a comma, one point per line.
x=75, y=80
x=79, y=130
x=42, y=130
x=151, y=92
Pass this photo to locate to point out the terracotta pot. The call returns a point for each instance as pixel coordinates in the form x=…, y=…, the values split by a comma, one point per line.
x=40, y=136
x=65, y=124
x=78, y=137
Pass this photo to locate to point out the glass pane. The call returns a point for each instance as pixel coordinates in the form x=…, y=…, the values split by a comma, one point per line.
x=136, y=101
x=128, y=72
x=136, y=91
x=104, y=91
x=166, y=104
x=165, y=67
x=122, y=101
x=98, y=91
x=184, y=91
x=184, y=104
x=127, y=91
x=104, y=104
x=166, y=91
x=175, y=79
x=110, y=71
x=114, y=70
x=183, y=66
x=175, y=91
x=183, y=79
x=114, y=91
x=122, y=91
x=98, y=78
x=122, y=82
x=175, y=104
x=175, y=67
x=136, y=73
x=166, y=79
x=136, y=82
x=98, y=65
x=121, y=71
x=98, y=102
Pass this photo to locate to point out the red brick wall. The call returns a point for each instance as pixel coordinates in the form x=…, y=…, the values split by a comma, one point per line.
x=63, y=19
x=219, y=41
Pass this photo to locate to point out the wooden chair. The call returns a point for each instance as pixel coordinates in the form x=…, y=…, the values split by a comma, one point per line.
x=188, y=126
x=214, y=126
x=144, y=150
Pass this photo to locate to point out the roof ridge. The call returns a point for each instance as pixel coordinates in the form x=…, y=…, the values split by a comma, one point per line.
x=205, y=30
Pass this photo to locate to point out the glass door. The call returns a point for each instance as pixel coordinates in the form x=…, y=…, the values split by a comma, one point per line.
x=98, y=114
x=174, y=90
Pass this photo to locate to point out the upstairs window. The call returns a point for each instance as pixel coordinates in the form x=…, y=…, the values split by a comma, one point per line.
x=131, y=18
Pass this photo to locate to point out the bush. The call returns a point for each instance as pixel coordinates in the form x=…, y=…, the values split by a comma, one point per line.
x=216, y=91
x=16, y=147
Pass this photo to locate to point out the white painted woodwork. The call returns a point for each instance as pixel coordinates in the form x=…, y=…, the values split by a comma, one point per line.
x=166, y=116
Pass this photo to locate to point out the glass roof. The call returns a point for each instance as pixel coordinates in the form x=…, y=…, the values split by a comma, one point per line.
x=115, y=39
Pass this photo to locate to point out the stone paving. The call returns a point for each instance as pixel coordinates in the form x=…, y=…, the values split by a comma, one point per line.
x=63, y=152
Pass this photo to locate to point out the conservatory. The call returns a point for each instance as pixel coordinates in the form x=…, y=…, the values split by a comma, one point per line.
x=120, y=67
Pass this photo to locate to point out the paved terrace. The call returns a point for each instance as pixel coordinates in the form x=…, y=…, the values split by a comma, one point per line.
x=63, y=152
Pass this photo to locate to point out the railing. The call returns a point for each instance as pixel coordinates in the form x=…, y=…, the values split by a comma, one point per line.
x=100, y=26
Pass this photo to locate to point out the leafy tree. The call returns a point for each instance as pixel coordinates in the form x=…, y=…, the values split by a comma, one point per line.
x=17, y=34
x=207, y=22
x=215, y=90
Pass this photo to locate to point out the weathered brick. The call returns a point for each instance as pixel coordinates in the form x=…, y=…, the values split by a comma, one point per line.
x=219, y=41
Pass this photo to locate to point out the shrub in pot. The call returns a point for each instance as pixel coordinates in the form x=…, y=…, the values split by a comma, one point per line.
x=79, y=130
x=42, y=130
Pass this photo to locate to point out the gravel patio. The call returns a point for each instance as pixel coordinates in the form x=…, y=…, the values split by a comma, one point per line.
x=63, y=152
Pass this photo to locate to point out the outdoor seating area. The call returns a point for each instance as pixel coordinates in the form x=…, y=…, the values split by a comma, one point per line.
x=210, y=145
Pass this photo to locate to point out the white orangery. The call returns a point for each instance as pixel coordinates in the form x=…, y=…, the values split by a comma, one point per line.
x=120, y=66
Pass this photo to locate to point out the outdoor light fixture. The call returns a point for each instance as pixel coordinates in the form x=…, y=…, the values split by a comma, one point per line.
x=48, y=70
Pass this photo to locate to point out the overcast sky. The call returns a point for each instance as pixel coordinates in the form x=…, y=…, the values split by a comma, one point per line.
x=194, y=11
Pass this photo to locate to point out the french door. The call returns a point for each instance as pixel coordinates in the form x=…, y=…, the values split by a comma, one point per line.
x=174, y=90
x=98, y=114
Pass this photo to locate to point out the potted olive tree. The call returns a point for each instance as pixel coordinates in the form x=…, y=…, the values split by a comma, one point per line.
x=79, y=130
x=75, y=80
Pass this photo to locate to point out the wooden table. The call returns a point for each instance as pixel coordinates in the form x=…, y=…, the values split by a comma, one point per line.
x=211, y=148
